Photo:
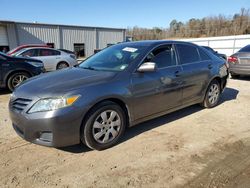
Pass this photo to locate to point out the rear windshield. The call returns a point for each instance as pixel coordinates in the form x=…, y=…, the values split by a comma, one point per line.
x=245, y=49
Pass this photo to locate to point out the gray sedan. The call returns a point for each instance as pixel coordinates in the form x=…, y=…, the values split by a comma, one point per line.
x=119, y=87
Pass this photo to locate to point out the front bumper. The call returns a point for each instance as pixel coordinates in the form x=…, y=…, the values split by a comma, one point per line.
x=239, y=69
x=55, y=128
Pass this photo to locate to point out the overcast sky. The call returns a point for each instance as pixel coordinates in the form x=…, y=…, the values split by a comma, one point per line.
x=116, y=13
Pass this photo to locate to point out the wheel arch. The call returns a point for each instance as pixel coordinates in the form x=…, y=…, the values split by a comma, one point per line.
x=62, y=61
x=217, y=78
x=9, y=74
x=115, y=100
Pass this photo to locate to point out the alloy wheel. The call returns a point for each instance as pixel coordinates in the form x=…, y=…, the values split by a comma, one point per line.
x=213, y=94
x=18, y=79
x=106, y=126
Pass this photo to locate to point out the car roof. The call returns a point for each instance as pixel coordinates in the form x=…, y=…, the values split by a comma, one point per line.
x=40, y=48
x=155, y=42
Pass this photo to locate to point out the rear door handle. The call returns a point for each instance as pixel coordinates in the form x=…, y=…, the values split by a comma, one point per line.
x=210, y=66
x=177, y=73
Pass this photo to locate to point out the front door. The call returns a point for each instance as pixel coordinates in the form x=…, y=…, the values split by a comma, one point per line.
x=158, y=91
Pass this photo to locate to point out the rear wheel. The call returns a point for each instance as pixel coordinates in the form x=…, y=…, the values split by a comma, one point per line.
x=104, y=126
x=212, y=95
x=62, y=65
x=16, y=79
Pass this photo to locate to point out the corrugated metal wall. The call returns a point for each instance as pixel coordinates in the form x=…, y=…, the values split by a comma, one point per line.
x=109, y=37
x=63, y=36
x=36, y=34
x=3, y=36
x=12, y=37
x=71, y=35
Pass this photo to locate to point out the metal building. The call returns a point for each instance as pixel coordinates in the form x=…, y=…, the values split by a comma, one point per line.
x=74, y=38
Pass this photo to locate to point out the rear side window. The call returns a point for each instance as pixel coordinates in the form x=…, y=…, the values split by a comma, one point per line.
x=187, y=53
x=48, y=52
x=163, y=56
x=203, y=55
x=245, y=49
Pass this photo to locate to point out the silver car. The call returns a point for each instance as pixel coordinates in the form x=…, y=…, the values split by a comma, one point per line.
x=239, y=63
x=51, y=58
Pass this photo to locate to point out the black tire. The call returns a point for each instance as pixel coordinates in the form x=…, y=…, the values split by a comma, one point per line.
x=11, y=83
x=235, y=76
x=207, y=102
x=87, y=130
x=62, y=65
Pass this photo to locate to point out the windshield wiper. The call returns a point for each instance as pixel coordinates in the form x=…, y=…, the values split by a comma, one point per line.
x=89, y=68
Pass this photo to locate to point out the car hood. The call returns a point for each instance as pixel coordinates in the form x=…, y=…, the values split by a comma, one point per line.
x=24, y=59
x=59, y=82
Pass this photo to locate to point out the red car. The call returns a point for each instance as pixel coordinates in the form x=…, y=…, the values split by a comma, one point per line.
x=11, y=52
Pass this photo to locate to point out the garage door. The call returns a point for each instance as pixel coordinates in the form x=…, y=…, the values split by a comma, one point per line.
x=3, y=36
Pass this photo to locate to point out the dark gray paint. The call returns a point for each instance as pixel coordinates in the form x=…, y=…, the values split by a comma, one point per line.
x=145, y=95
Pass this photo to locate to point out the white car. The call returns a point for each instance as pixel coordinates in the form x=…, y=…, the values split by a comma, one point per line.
x=51, y=58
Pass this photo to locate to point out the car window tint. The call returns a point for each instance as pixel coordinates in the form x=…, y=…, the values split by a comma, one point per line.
x=187, y=53
x=48, y=52
x=2, y=58
x=203, y=55
x=30, y=53
x=245, y=49
x=162, y=56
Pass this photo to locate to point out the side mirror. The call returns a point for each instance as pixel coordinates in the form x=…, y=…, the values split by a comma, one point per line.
x=147, y=67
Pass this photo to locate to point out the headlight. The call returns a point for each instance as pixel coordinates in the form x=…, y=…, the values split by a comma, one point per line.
x=52, y=103
x=36, y=64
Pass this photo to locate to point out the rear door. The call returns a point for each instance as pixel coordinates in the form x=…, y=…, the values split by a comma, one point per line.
x=196, y=71
x=50, y=58
x=161, y=90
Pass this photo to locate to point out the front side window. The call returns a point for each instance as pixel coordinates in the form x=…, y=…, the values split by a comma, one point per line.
x=163, y=56
x=30, y=53
x=115, y=58
x=187, y=53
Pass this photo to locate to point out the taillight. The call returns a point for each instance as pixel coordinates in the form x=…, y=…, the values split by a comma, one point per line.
x=232, y=59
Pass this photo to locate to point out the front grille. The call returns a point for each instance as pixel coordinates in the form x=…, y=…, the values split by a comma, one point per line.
x=20, y=103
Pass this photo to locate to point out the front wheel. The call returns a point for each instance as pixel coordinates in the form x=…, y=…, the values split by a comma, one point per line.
x=104, y=126
x=16, y=79
x=212, y=95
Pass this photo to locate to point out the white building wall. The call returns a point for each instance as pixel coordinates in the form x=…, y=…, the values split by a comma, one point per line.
x=225, y=44
x=109, y=37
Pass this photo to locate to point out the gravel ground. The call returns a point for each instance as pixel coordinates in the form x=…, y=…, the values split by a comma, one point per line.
x=193, y=147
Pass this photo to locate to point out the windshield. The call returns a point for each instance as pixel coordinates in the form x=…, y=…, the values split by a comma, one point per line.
x=19, y=52
x=115, y=58
x=3, y=54
x=11, y=51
